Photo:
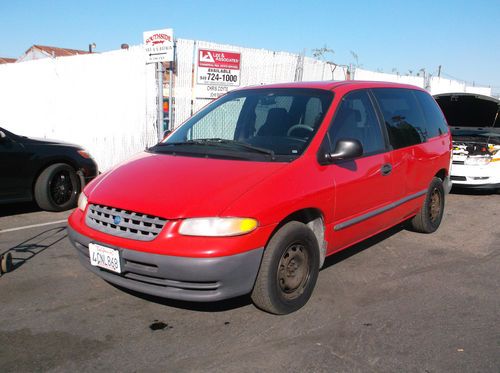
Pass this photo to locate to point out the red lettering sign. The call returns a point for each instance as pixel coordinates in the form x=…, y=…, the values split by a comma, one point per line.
x=218, y=59
x=158, y=39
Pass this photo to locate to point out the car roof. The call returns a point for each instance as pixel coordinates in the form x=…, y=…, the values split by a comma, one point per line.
x=331, y=85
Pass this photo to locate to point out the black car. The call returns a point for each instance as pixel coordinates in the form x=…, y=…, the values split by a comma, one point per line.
x=49, y=172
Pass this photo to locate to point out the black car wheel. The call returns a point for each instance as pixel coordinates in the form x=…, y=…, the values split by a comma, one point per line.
x=288, y=271
x=57, y=188
x=430, y=215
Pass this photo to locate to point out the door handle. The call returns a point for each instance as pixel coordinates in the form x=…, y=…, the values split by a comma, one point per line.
x=386, y=169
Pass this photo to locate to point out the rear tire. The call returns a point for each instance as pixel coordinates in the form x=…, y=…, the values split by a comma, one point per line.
x=430, y=215
x=57, y=188
x=288, y=271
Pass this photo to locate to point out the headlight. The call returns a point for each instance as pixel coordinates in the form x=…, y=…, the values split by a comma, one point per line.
x=477, y=161
x=84, y=153
x=82, y=201
x=217, y=227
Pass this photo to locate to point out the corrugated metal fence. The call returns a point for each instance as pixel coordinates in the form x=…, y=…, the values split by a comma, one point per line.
x=107, y=102
x=258, y=66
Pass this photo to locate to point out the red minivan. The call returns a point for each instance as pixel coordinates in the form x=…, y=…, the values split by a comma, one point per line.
x=255, y=190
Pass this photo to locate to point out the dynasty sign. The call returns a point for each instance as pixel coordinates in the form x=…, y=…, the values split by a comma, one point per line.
x=217, y=72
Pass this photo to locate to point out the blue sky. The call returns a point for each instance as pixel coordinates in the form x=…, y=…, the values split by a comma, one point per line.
x=462, y=36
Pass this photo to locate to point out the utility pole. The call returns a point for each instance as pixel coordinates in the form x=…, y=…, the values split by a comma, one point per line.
x=170, y=97
x=171, y=89
x=299, y=70
x=439, y=71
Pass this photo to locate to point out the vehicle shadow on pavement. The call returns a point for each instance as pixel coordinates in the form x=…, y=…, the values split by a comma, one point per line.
x=28, y=249
x=220, y=306
x=245, y=300
x=363, y=245
x=18, y=208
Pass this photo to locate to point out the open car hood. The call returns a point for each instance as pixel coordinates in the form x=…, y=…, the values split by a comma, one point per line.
x=467, y=110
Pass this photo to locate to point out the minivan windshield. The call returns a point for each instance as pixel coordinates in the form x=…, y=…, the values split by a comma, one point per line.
x=266, y=124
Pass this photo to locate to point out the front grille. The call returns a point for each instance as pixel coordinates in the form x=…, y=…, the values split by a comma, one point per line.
x=458, y=162
x=458, y=178
x=124, y=223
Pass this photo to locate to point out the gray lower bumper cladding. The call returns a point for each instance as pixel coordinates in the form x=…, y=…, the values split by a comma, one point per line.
x=181, y=278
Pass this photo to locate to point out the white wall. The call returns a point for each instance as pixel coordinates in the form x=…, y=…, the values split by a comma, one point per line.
x=104, y=102
x=319, y=70
x=361, y=74
x=258, y=66
x=486, y=91
x=442, y=85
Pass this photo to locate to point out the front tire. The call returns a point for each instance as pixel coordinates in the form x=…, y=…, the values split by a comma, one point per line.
x=288, y=271
x=430, y=215
x=57, y=188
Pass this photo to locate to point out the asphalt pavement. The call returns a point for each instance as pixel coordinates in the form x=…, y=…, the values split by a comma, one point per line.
x=399, y=302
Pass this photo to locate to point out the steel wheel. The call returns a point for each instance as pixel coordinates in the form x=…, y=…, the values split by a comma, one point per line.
x=430, y=215
x=293, y=271
x=288, y=270
x=435, y=205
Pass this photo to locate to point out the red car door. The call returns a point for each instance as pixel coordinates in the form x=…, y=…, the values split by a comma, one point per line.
x=364, y=187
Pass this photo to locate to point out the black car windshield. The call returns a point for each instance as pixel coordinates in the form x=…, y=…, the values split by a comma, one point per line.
x=256, y=124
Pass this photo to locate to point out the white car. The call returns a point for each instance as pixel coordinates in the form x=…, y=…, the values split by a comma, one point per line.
x=474, y=123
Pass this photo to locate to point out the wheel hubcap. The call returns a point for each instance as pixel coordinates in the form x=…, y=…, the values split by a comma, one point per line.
x=293, y=271
x=61, y=188
x=435, y=205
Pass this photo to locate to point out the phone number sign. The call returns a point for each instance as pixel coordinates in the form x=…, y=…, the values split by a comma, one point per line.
x=217, y=72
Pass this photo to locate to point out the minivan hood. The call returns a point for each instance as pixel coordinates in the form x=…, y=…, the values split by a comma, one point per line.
x=469, y=110
x=175, y=187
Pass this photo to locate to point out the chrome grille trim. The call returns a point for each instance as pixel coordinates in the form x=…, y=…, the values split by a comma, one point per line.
x=133, y=225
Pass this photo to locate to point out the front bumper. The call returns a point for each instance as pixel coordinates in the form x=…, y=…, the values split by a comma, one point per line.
x=476, y=177
x=459, y=184
x=447, y=184
x=181, y=278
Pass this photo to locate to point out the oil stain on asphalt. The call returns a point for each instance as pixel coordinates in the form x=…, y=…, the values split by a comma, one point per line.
x=159, y=325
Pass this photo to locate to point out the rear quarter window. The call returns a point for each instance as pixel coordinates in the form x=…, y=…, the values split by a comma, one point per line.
x=403, y=117
x=434, y=117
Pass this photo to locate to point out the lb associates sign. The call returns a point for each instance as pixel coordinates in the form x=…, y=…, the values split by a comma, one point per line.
x=159, y=45
x=217, y=72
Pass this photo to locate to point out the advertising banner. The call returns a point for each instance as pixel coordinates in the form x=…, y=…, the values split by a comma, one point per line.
x=217, y=72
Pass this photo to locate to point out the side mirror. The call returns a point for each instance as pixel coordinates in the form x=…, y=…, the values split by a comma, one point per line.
x=345, y=149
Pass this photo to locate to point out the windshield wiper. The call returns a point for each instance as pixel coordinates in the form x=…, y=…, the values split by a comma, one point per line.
x=243, y=145
x=225, y=142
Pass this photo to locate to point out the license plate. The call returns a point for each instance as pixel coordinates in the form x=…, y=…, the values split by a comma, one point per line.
x=105, y=257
